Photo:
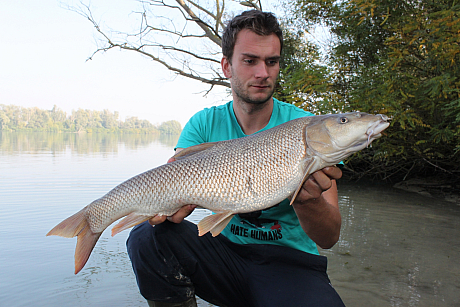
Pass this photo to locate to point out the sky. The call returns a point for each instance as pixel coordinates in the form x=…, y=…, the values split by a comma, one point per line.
x=43, y=62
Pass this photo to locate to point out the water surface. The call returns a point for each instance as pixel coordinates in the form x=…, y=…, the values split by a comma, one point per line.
x=396, y=248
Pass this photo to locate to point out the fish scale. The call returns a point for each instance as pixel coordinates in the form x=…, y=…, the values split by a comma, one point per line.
x=229, y=177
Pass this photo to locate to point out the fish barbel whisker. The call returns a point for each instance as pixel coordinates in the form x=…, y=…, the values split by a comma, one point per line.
x=369, y=135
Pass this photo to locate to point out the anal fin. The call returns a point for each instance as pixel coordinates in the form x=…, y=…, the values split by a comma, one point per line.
x=129, y=221
x=214, y=223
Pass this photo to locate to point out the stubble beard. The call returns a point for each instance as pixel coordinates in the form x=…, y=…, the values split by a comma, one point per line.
x=244, y=96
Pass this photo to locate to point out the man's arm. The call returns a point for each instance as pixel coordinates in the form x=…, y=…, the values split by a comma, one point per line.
x=317, y=207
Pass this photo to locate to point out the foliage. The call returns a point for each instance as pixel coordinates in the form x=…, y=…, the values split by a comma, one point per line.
x=303, y=80
x=399, y=58
x=171, y=127
x=15, y=118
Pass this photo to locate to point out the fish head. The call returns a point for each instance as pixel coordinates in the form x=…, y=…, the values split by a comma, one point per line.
x=334, y=137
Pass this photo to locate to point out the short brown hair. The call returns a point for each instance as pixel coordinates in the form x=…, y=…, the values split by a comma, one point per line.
x=261, y=23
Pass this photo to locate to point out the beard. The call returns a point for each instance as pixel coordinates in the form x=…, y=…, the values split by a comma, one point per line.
x=243, y=93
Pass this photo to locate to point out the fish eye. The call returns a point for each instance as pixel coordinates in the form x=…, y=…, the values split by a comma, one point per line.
x=343, y=120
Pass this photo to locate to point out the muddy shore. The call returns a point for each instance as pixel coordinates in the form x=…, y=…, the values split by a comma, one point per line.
x=431, y=186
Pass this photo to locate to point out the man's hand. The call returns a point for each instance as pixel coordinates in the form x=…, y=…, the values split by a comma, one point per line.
x=317, y=207
x=177, y=217
x=317, y=183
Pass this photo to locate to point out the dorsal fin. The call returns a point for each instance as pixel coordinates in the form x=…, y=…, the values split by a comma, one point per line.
x=189, y=151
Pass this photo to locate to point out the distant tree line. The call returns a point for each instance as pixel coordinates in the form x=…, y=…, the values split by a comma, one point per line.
x=16, y=118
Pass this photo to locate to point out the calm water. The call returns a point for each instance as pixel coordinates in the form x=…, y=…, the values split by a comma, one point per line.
x=396, y=248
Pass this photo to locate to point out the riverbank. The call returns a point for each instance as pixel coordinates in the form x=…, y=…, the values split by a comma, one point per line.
x=432, y=187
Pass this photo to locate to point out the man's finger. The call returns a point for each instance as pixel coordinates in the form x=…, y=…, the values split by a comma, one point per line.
x=158, y=219
x=333, y=172
x=180, y=215
x=322, y=180
x=311, y=188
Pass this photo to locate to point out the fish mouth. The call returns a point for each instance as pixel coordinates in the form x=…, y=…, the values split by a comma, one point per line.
x=374, y=131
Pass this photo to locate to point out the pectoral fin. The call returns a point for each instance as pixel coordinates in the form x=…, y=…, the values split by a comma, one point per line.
x=214, y=223
x=305, y=176
x=193, y=150
x=130, y=220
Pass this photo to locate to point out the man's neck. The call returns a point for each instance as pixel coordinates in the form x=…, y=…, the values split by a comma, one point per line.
x=252, y=117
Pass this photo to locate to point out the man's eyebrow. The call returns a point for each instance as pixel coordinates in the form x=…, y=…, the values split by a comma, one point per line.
x=250, y=55
x=277, y=58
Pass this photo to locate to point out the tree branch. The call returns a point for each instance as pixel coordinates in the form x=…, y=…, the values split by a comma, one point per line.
x=215, y=37
x=150, y=41
x=214, y=81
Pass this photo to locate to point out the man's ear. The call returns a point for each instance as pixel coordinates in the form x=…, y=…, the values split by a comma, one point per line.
x=225, y=63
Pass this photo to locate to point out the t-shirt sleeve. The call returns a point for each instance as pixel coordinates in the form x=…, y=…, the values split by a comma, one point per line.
x=193, y=132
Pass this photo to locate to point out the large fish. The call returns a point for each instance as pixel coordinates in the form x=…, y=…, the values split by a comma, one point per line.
x=228, y=177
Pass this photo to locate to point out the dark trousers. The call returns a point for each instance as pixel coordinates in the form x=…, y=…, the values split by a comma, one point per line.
x=172, y=263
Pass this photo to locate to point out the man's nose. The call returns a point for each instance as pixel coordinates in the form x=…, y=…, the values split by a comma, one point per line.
x=262, y=70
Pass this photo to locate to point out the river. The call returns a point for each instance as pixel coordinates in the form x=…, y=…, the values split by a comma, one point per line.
x=396, y=248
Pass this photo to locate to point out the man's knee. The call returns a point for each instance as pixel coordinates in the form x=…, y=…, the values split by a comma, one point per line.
x=140, y=236
x=153, y=252
x=144, y=239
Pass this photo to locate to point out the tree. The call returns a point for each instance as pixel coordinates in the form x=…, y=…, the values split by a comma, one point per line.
x=194, y=51
x=171, y=127
x=399, y=58
x=109, y=120
x=4, y=120
x=182, y=35
x=304, y=80
x=80, y=119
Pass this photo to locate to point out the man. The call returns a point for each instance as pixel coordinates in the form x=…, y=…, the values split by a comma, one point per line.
x=264, y=258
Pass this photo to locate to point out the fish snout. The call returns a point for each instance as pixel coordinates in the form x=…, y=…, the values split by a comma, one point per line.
x=377, y=127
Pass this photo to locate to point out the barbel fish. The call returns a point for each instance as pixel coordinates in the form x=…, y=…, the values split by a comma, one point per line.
x=229, y=177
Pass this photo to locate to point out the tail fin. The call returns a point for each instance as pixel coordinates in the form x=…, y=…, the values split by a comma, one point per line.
x=77, y=225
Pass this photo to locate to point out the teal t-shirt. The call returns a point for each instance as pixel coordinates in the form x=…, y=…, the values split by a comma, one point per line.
x=277, y=225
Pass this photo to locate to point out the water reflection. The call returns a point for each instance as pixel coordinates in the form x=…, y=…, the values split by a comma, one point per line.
x=81, y=143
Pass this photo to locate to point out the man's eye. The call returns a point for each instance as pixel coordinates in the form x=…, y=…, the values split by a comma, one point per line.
x=249, y=61
x=272, y=62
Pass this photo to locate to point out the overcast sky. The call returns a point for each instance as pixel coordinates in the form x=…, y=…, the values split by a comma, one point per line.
x=43, y=54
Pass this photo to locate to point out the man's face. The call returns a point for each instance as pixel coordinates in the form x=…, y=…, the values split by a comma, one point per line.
x=254, y=67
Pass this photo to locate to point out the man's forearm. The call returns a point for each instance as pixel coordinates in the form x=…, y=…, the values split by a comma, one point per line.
x=320, y=218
